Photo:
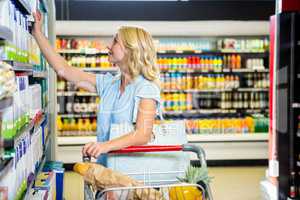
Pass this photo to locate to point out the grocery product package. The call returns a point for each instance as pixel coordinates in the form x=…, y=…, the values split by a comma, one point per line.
x=102, y=178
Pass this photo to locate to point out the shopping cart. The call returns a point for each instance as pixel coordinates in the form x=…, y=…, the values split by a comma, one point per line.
x=146, y=192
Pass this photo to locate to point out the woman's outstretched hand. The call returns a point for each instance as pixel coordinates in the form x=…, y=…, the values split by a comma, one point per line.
x=94, y=149
x=38, y=21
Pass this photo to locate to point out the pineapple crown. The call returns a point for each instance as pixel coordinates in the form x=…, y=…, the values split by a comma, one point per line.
x=194, y=175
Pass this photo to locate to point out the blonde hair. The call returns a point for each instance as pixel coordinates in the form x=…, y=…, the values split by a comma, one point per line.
x=141, y=54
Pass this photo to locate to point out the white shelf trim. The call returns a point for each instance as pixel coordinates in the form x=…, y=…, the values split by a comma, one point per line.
x=76, y=140
x=228, y=137
x=249, y=137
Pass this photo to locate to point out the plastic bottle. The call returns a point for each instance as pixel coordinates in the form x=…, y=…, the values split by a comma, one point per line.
x=59, y=123
x=238, y=62
x=80, y=125
x=73, y=125
x=94, y=125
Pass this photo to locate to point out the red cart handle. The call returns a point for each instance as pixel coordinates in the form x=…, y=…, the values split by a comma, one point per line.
x=149, y=148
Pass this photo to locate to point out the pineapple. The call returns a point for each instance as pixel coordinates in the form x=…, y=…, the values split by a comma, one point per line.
x=193, y=175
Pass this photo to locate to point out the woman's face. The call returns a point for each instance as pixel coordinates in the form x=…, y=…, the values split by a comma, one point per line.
x=116, y=51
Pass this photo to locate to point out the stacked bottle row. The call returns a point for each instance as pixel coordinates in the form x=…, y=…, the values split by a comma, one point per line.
x=77, y=104
x=23, y=47
x=76, y=127
x=243, y=45
x=257, y=124
x=233, y=100
x=200, y=63
x=256, y=80
x=209, y=63
x=79, y=43
x=177, y=101
x=86, y=61
x=182, y=81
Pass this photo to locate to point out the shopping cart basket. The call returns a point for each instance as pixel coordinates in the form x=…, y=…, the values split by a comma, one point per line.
x=125, y=193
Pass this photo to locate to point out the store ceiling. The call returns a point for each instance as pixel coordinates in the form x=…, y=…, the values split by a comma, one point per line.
x=95, y=10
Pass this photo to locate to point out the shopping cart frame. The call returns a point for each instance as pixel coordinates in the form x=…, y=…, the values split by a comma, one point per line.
x=89, y=194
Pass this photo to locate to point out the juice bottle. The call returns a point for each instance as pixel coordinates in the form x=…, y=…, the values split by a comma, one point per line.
x=197, y=62
x=205, y=63
x=222, y=82
x=229, y=64
x=88, y=125
x=72, y=125
x=233, y=61
x=189, y=101
x=60, y=125
x=184, y=63
x=94, y=125
x=220, y=64
x=80, y=125
x=211, y=63
x=215, y=64
x=238, y=62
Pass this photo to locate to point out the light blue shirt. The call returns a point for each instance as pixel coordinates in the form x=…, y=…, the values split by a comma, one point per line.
x=120, y=108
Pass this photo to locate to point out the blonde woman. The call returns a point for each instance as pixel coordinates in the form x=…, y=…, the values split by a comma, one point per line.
x=131, y=97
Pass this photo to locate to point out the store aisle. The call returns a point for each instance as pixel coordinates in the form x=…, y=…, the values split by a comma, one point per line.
x=229, y=183
x=237, y=183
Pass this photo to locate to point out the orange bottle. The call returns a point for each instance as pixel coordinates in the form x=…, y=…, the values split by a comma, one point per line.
x=233, y=61
x=238, y=62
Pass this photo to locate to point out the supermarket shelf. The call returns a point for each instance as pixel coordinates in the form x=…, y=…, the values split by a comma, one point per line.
x=98, y=69
x=81, y=140
x=250, y=70
x=195, y=90
x=37, y=74
x=219, y=90
x=75, y=133
x=78, y=140
x=5, y=165
x=82, y=51
x=18, y=66
x=6, y=102
x=191, y=52
x=228, y=137
x=201, y=111
x=253, y=89
x=24, y=6
x=239, y=51
x=216, y=111
x=242, y=70
x=75, y=93
x=77, y=115
x=6, y=33
x=217, y=147
x=9, y=143
x=33, y=178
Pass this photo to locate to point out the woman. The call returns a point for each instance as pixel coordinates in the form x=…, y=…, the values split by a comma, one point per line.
x=131, y=97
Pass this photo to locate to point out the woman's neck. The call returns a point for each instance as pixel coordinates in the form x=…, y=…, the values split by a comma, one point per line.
x=125, y=79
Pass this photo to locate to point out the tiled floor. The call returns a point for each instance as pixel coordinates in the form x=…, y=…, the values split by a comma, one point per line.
x=229, y=183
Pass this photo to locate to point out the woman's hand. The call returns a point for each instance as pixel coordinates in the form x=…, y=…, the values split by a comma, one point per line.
x=95, y=149
x=38, y=21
